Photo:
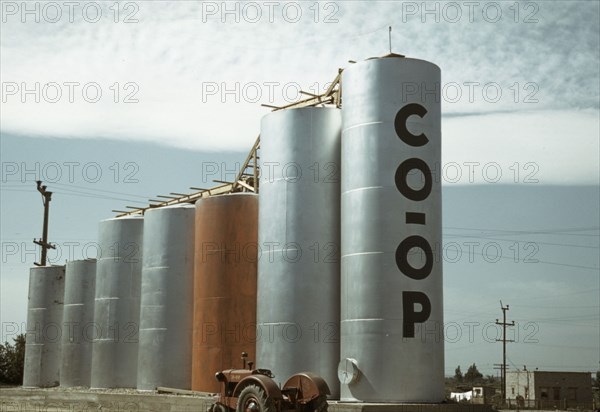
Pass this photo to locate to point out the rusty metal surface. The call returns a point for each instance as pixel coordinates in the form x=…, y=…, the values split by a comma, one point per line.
x=224, y=286
x=240, y=378
x=270, y=387
x=309, y=385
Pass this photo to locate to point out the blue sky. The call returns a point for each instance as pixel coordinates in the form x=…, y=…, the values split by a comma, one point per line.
x=181, y=86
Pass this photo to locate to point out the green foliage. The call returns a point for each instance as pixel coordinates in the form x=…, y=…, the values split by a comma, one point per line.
x=458, y=375
x=490, y=379
x=462, y=381
x=472, y=374
x=12, y=360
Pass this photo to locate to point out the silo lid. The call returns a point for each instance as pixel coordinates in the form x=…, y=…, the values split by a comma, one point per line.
x=386, y=56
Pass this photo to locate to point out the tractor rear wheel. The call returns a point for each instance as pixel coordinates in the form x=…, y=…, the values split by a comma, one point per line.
x=321, y=404
x=218, y=407
x=253, y=399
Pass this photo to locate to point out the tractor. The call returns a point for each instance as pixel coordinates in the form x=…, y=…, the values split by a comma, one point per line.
x=254, y=390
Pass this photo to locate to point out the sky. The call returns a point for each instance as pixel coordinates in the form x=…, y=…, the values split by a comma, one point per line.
x=111, y=103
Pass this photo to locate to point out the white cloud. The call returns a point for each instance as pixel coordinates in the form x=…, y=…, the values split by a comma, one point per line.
x=180, y=60
x=545, y=147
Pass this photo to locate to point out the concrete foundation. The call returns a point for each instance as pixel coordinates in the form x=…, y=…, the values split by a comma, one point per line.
x=57, y=400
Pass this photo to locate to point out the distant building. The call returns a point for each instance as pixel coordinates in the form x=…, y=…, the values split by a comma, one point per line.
x=543, y=389
x=478, y=395
x=482, y=394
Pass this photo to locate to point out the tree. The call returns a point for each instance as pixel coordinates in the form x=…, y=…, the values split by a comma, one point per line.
x=472, y=374
x=458, y=376
x=12, y=360
x=490, y=379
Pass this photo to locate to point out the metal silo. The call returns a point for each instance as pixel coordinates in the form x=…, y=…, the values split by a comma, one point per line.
x=392, y=319
x=165, y=343
x=78, y=328
x=299, y=235
x=224, y=286
x=117, y=303
x=44, y=326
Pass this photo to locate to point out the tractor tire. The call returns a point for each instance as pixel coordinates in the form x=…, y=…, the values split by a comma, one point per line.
x=321, y=404
x=254, y=399
x=218, y=407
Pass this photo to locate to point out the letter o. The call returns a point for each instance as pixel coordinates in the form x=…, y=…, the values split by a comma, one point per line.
x=401, y=174
x=402, y=257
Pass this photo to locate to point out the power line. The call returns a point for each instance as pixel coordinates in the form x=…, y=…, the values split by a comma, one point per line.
x=500, y=256
x=96, y=196
x=523, y=241
x=552, y=297
x=558, y=307
x=102, y=190
x=79, y=194
x=66, y=186
x=555, y=231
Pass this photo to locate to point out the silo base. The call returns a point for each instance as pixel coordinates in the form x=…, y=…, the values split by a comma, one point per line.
x=71, y=399
x=406, y=407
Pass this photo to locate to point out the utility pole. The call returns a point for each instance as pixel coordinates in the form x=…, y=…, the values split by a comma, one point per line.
x=504, y=341
x=499, y=367
x=43, y=242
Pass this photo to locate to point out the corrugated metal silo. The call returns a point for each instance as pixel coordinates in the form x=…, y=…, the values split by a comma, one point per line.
x=117, y=303
x=44, y=326
x=78, y=328
x=165, y=345
x=299, y=235
x=392, y=347
x=224, y=286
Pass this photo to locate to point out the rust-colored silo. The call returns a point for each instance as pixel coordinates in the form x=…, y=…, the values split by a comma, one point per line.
x=224, y=286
